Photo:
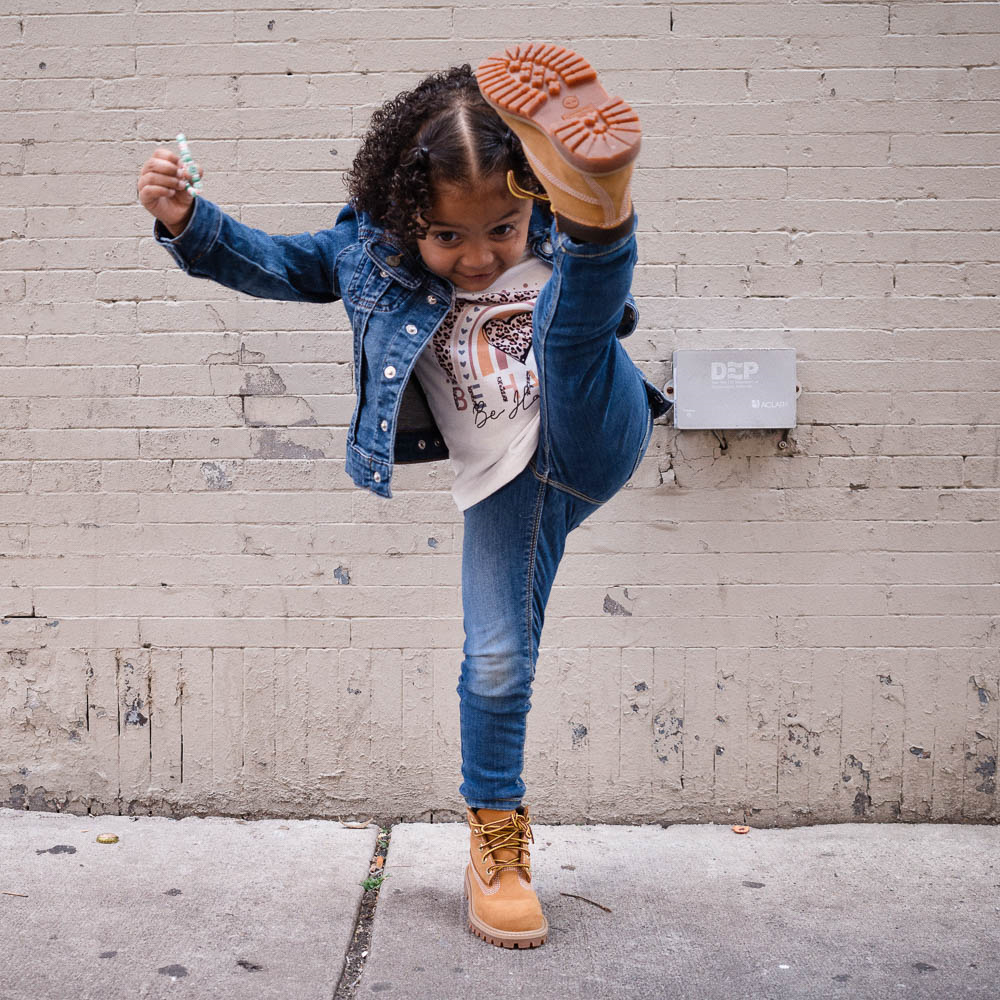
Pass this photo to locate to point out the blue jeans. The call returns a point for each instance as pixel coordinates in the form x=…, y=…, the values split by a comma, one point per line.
x=596, y=423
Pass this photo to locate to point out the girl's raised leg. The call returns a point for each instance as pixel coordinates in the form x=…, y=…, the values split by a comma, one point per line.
x=581, y=143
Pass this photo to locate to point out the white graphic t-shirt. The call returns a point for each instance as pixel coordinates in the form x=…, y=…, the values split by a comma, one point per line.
x=479, y=375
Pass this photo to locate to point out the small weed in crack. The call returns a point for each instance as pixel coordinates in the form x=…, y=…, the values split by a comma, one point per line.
x=354, y=963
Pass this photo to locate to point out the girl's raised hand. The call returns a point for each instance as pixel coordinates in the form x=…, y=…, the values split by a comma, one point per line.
x=162, y=189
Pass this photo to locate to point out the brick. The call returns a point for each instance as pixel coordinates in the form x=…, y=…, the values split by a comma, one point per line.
x=343, y=25
x=570, y=23
x=813, y=19
x=86, y=29
x=879, y=632
x=984, y=82
x=710, y=85
x=869, y=183
x=31, y=63
x=936, y=19
x=980, y=472
x=934, y=84
x=814, y=84
x=961, y=149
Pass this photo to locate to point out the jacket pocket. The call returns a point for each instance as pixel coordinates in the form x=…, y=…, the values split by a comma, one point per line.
x=373, y=290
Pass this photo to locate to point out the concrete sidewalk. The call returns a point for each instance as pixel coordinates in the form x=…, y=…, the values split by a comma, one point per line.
x=225, y=908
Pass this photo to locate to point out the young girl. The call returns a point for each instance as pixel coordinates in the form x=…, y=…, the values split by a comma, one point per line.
x=484, y=259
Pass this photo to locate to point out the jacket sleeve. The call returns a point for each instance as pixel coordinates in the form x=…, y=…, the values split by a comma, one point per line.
x=300, y=268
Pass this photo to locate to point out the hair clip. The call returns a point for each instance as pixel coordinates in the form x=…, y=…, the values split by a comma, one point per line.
x=519, y=192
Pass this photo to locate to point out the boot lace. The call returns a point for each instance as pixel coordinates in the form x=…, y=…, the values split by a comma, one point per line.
x=511, y=833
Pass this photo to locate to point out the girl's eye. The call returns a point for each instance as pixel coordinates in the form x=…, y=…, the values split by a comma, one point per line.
x=505, y=230
x=446, y=236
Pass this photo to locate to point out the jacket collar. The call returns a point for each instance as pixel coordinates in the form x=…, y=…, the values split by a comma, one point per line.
x=390, y=255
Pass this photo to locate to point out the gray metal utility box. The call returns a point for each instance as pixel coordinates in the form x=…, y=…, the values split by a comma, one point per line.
x=727, y=389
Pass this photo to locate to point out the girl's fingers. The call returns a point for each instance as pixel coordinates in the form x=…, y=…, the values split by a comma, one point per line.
x=159, y=192
x=165, y=161
x=159, y=183
x=155, y=168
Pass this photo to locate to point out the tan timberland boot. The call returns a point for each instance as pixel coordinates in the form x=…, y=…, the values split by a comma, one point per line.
x=503, y=908
x=580, y=142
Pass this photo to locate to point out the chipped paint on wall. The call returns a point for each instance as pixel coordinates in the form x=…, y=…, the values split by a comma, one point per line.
x=321, y=731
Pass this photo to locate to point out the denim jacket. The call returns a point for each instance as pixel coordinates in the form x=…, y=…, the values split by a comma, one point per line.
x=394, y=304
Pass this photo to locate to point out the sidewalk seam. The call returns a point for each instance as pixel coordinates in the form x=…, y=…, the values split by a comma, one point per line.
x=360, y=944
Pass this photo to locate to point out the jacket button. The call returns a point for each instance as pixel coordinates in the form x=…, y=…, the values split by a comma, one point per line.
x=410, y=329
x=377, y=476
x=384, y=425
x=390, y=372
x=432, y=300
x=546, y=247
x=384, y=274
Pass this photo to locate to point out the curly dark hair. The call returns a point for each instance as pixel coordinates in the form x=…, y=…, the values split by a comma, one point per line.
x=442, y=130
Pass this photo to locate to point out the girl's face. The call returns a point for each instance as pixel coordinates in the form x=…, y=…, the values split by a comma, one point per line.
x=475, y=234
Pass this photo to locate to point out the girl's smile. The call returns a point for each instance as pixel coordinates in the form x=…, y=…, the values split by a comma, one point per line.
x=475, y=233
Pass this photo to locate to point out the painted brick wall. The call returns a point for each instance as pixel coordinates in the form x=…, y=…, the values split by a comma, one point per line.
x=201, y=614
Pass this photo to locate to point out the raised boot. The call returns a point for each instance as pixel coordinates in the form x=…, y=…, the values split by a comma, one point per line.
x=503, y=907
x=580, y=141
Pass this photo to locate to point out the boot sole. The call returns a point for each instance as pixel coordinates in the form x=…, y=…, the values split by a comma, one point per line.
x=503, y=939
x=556, y=91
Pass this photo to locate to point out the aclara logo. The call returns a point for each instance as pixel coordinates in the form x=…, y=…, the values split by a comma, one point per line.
x=768, y=404
x=734, y=370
